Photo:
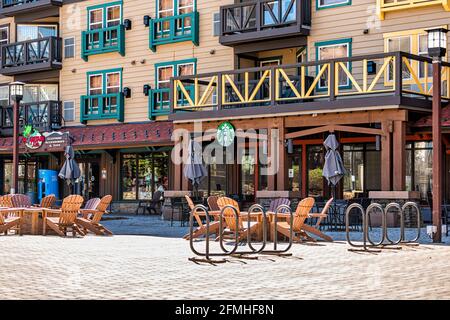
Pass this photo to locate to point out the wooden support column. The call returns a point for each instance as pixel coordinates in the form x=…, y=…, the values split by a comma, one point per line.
x=304, y=168
x=270, y=178
x=386, y=126
x=281, y=175
x=399, y=155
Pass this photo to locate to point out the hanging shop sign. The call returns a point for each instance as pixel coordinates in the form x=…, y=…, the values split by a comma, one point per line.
x=225, y=134
x=32, y=138
x=56, y=141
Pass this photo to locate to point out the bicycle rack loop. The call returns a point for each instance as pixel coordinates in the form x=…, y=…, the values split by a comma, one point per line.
x=419, y=219
x=202, y=209
x=283, y=252
x=360, y=208
x=402, y=222
x=383, y=224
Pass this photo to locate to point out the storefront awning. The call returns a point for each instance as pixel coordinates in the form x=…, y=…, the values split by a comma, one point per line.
x=156, y=133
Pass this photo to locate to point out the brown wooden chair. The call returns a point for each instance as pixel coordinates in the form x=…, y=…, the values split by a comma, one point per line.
x=298, y=224
x=212, y=203
x=201, y=229
x=9, y=223
x=21, y=201
x=5, y=201
x=48, y=201
x=67, y=215
x=230, y=219
x=91, y=218
x=15, y=203
x=275, y=203
x=320, y=217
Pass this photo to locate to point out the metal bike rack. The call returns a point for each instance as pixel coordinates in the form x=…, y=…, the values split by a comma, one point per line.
x=383, y=224
x=360, y=208
x=207, y=254
x=283, y=252
x=419, y=220
x=402, y=222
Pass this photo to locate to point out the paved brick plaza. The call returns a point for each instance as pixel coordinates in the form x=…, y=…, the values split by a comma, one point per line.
x=157, y=267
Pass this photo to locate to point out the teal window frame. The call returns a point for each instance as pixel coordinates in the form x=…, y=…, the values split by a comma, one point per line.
x=174, y=33
x=335, y=5
x=329, y=43
x=102, y=98
x=157, y=107
x=105, y=44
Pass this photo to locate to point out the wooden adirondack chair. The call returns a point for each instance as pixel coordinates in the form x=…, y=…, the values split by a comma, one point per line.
x=230, y=219
x=48, y=201
x=5, y=201
x=201, y=229
x=89, y=207
x=274, y=204
x=91, y=218
x=300, y=215
x=14, y=202
x=320, y=217
x=67, y=215
x=10, y=223
x=20, y=201
x=212, y=203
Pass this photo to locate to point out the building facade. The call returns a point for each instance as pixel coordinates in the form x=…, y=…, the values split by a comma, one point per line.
x=119, y=77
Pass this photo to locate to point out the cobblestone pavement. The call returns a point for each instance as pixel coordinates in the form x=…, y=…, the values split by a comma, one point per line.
x=129, y=266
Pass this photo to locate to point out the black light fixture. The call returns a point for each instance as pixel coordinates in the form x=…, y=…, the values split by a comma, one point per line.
x=16, y=90
x=377, y=142
x=147, y=21
x=290, y=146
x=437, y=42
x=371, y=67
x=146, y=89
x=127, y=92
x=127, y=24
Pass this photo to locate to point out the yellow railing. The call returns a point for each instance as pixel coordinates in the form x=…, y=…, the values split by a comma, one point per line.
x=384, y=6
x=382, y=75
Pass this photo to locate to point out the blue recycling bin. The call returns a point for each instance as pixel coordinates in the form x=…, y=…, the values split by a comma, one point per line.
x=47, y=183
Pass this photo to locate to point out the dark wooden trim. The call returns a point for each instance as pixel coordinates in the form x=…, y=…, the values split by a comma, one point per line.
x=42, y=6
x=270, y=44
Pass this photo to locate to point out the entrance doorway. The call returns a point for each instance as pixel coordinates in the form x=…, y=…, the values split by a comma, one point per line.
x=89, y=181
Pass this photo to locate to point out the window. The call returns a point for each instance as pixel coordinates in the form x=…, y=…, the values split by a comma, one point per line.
x=40, y=92
x=168, y=8
x=69, y=111
x=143, y=173
x=419, y=167
x=69, y=47
x=104, y=16
x=216, y=24
x=106, y=82
x=31, y=32
x=165, y=71
x=410, y=41
x=324, y=4
x=332, y=50
x=4, y=35
x=4, y=96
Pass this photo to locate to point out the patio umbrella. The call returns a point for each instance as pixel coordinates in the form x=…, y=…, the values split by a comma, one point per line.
x=194, y=169
x=70, y=170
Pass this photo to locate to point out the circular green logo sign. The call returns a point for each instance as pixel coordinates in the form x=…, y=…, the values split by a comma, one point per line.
x=225, y=134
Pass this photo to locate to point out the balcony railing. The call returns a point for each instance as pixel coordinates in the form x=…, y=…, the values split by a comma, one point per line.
x=384, y=6
x=31, y=56
x=184, y=27
x=111, y=39
x=387, y=78
x=159, y=103
x=264, y=19
x=102, y=106
x=13, y=7
x=44, y=116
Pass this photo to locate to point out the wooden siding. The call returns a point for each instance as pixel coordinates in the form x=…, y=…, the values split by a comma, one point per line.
x=73, y=82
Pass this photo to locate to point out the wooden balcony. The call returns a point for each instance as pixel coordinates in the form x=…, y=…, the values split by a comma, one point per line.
x=102, y=106
x=31, y=56
x=104, y=40
x=10, y=8
x=384, y=6
x=184, y=27
x=259, y=20
x=378, y=81
x=44, y=116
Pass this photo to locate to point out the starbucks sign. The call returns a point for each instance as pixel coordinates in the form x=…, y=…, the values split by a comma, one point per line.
x=32, y=138
x=225, y=134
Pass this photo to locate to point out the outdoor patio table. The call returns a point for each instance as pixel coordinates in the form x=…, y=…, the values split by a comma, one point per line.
x=32, y=215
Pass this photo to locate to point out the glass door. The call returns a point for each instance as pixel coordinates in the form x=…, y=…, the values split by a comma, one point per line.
x=315, y=162
x=88, y=183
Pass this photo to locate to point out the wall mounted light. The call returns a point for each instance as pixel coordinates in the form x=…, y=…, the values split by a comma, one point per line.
x=437, y=42
x=146, y=89
x=371, y=67
x=127, y=24
x=127, y=92
x=290, y=146
x=147, y=21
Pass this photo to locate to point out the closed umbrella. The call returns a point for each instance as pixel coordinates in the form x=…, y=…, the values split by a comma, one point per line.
x=333, y=169
x=70, y=170
x=194, y=169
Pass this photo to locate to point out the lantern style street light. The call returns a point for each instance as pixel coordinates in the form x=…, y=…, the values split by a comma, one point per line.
x=437, y=47
x=16, y=95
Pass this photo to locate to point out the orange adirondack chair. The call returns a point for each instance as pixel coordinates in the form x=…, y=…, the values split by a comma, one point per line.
x=5, y=201
x=298, y=224
x=10, y=223
x=48, y=201
x=14, y=201
x=67, y=215
x=230, y=219
x=201, y=229
x=91, y=218
x=321, y=216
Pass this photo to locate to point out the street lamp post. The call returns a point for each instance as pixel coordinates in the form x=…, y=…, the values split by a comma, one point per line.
x=16, y=94
x=437, y=46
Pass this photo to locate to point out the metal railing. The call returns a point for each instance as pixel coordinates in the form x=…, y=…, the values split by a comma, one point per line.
x=257, y=15
x=102, y=106
x=44, y=115
x=31, y=53
x=183, y=27
x=394, y=74
x=384, y=6
x=103, y=40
